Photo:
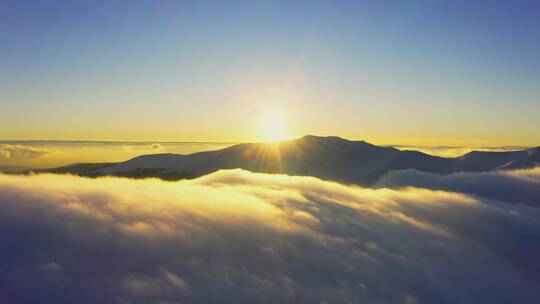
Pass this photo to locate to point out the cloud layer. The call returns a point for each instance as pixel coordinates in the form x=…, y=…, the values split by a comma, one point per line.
x=239, y=237
x=519, y=186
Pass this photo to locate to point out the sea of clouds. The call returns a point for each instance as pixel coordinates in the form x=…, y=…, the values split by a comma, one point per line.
x=514, y=187
x=240, y=237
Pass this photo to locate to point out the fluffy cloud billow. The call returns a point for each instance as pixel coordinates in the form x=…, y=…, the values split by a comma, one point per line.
x=239, y=237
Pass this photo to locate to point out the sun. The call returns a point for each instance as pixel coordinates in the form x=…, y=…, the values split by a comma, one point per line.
x=273, y=126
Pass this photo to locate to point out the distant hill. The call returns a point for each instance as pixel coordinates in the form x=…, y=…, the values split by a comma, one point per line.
x=13, y=169
x=79, y=168
x=330, y=158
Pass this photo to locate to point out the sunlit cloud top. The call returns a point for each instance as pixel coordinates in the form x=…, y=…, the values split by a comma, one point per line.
x=241, y=237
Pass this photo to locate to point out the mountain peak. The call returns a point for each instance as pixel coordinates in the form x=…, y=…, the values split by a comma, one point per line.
x=327, y=157
x=323, y=138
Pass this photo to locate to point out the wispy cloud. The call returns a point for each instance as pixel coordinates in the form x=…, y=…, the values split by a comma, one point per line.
x=239, y=237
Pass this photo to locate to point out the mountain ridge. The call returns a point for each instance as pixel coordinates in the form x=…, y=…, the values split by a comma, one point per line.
x=330, y=157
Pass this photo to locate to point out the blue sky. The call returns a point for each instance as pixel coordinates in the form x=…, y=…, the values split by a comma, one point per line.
x=388, y=71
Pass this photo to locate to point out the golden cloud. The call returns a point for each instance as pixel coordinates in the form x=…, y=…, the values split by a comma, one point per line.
x=240, y=237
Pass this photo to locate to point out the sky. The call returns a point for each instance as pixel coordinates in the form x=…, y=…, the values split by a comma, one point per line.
x=390, y=72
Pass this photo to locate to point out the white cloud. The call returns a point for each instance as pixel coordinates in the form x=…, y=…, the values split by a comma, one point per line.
x=239, y=237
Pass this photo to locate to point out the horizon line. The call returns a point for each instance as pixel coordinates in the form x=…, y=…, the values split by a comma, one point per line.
x=246, y=142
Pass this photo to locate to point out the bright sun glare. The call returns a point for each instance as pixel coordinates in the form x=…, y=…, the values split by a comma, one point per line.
x=273, y=126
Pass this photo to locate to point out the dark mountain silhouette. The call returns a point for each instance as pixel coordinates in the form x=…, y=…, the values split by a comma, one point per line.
x=330, y=158
x=532, y=160
x=13, y=169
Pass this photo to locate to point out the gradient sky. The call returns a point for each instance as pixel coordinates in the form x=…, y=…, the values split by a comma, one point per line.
x=394, y=72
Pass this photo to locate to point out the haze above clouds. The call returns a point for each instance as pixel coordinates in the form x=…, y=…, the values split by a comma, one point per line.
x=249, y=237
x=48, y=154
